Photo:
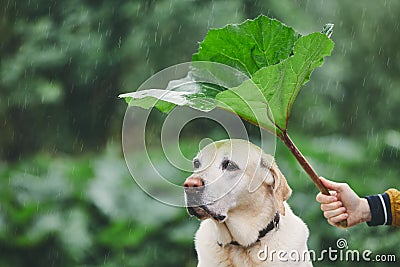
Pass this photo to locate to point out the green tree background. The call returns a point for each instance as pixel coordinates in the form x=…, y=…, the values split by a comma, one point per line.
x=66, y=196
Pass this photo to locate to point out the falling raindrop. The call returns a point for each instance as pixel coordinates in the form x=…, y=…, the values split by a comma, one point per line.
x=119, y=42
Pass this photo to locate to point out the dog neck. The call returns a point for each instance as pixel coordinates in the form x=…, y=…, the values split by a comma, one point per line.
x=273, y=224
x=236, y=228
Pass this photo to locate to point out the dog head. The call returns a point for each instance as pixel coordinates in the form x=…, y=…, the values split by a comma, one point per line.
x=230, y=175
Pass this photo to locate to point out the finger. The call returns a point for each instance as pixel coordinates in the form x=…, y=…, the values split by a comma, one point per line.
x=331, y=206
x=324, y=199
x=333, y=213
x=332, y=185
x=339, y=218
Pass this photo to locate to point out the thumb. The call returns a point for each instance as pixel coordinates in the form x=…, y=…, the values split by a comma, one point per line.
x=331, y=185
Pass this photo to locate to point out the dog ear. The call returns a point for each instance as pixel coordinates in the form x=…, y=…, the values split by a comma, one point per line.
x=280, y=188
x=269, y=174
x=261, y=174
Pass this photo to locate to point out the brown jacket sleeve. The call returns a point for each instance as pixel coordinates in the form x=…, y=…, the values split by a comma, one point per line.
x=394, y=196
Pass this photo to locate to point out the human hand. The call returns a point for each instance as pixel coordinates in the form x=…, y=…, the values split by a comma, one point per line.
x=342, y=204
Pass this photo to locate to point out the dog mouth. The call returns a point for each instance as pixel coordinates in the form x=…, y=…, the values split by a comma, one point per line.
x=202, y=212
x=196, y=205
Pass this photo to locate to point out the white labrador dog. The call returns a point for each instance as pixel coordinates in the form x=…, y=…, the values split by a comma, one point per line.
x=239, y=194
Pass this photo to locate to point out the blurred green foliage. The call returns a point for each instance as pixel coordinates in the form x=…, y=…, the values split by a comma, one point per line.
x=66, y=196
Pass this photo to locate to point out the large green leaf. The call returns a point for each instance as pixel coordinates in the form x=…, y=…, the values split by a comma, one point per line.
x=275, y=61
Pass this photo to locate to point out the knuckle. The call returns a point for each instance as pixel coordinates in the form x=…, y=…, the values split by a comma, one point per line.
x=345, y=186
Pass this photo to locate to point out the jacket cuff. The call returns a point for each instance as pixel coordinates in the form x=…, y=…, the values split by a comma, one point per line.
x=381, y=213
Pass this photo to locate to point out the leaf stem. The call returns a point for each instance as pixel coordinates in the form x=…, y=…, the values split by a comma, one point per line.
x=307, y=167
x=303, y=162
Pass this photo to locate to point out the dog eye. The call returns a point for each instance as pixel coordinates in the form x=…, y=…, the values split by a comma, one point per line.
x=196, y=164
x=229, y=165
